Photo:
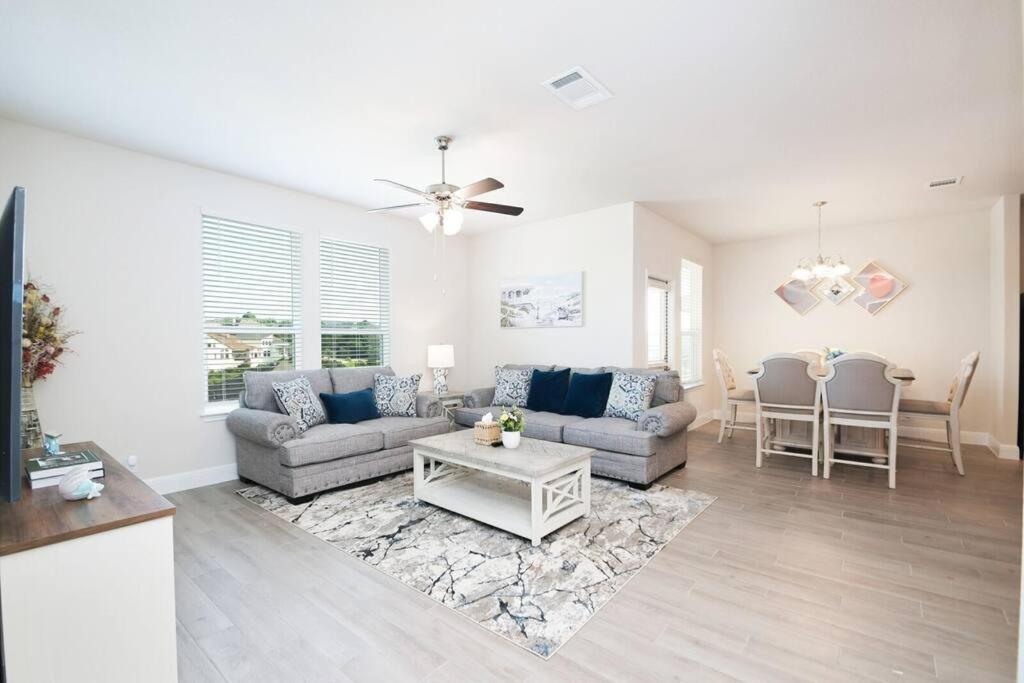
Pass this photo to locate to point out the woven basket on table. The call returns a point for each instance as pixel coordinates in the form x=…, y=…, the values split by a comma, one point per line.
x=486, y=433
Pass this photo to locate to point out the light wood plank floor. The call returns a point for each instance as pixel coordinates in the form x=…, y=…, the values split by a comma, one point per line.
x=783, y=578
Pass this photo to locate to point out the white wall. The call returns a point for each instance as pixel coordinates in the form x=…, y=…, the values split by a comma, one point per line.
x=599, y=243
x=1004, y=277
x=117, y=236
x=659, y=247
x=944, y=314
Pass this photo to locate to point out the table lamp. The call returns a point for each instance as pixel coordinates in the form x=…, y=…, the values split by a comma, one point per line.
x=440, y=357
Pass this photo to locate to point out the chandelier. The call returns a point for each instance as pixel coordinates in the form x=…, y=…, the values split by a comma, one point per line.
x=820, y=267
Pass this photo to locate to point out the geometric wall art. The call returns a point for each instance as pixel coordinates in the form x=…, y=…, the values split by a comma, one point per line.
x=836, y=289
x=878, y=286
x=799, y=294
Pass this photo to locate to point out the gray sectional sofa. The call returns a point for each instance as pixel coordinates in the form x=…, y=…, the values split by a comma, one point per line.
x=636, y=452
x=271, y=452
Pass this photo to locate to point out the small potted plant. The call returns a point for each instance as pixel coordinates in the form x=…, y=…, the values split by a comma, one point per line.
x=512, y=422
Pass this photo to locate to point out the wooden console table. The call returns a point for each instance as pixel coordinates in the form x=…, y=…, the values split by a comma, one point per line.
x=87, y=587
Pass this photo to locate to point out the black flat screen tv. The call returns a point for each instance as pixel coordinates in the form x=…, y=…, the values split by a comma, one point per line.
x=12, y=289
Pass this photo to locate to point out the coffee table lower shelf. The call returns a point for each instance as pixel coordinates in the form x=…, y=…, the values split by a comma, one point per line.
x=530, y=508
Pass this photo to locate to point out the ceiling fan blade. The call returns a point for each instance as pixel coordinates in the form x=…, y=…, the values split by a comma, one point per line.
x=494, y=208
x=400, y=186
x=479, y=187
x=400, y=206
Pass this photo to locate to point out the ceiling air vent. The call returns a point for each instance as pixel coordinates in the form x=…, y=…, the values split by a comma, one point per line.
x=577, y=88
x=945, y=182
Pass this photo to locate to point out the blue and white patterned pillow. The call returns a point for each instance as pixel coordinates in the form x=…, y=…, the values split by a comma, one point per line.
x=630, y=396
x=396, y=396
x=512, y=386
x=297, y=399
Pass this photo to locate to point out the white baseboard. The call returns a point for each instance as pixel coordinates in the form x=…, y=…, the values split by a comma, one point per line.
x=193, y=479
x=701, y=420
x=1001, y=451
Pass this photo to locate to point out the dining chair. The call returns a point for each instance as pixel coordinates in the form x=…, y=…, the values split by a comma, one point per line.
x=785, y=389
x=859, y=390
x=811, y=355
x=947, y=412
x=732, y=397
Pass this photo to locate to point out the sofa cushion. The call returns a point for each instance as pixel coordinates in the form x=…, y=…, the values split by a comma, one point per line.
x=396, y=396
x=259, y=390
x=467, y=417
x=345, y=380
x=330, y=442
x=588, y=394
x=548, y=390
x=611, y=434
x=630, y=395
x=296, y=399
x=512, y=386
x=667, y=389
x=351, y=407
x=399, y=431
x=547, y=426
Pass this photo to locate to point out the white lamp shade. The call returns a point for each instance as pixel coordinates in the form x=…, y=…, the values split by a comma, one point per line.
x=430, y=221
x=440, y=356
x=452, y=222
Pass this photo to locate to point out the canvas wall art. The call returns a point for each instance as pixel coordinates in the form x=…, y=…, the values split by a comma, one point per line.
x=798, y=294
x=543, y=301
x=878, y=286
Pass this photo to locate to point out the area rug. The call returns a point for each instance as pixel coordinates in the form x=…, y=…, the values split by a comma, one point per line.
x=537, y=598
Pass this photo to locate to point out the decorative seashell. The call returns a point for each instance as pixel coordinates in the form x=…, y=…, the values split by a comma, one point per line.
x=76, y=484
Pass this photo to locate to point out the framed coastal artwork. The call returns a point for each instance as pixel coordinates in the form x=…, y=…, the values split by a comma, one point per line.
x=878, y=287
x=542, y=301
x=799, y=294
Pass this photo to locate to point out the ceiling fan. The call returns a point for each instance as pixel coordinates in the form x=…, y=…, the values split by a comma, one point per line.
x=447, y=201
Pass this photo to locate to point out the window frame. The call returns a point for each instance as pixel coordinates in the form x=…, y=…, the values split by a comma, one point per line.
x=209, y=225
x=385, y=302
x=691, y=323
x=664, y=290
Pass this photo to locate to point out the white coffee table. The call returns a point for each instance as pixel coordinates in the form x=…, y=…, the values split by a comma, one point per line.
x=529, y=491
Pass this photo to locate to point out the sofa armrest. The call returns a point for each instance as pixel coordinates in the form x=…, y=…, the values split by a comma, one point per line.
x=479, y=398
x=427, y=405
x=668, y=419
x=262, y=426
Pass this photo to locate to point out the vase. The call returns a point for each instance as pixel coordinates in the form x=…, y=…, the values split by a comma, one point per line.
x=511, y=439
x=31, y=430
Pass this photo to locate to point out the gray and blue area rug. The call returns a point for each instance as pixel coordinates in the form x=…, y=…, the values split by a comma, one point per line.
x=537, y=598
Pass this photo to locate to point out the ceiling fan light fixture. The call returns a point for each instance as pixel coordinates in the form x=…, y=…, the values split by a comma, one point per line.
x=451, y=221
x=430, y=221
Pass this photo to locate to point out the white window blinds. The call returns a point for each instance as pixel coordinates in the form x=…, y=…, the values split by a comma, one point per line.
x=251, y=303
x=355, y=304
x=657, y=323
x=690, y=321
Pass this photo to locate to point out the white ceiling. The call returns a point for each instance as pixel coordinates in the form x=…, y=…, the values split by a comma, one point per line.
x=729, y=118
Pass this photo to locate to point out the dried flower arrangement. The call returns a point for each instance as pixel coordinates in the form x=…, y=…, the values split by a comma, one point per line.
x=44, y=339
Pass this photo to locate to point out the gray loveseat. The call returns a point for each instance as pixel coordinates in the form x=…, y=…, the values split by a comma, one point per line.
x=271, y=452
x=636, y=452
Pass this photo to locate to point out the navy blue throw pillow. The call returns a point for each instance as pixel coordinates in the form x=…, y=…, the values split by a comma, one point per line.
x=350, y=408
x=548, y=390
x=588, y=395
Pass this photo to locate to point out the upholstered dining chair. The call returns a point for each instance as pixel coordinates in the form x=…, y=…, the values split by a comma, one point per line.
x=947, y=412
x=859, y=390
x=733, y=398
x=785, y=389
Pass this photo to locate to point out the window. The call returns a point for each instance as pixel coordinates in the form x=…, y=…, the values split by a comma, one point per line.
x=690, y=322
x=251, y=303
x=355, y=304
x=657, y=322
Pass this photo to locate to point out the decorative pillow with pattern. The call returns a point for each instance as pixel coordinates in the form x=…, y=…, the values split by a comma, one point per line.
x=396, y=396
x=512, y=386
x=630, y=395
x=297, y=399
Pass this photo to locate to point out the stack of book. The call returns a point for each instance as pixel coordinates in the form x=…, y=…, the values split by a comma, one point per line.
x=48, y=470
